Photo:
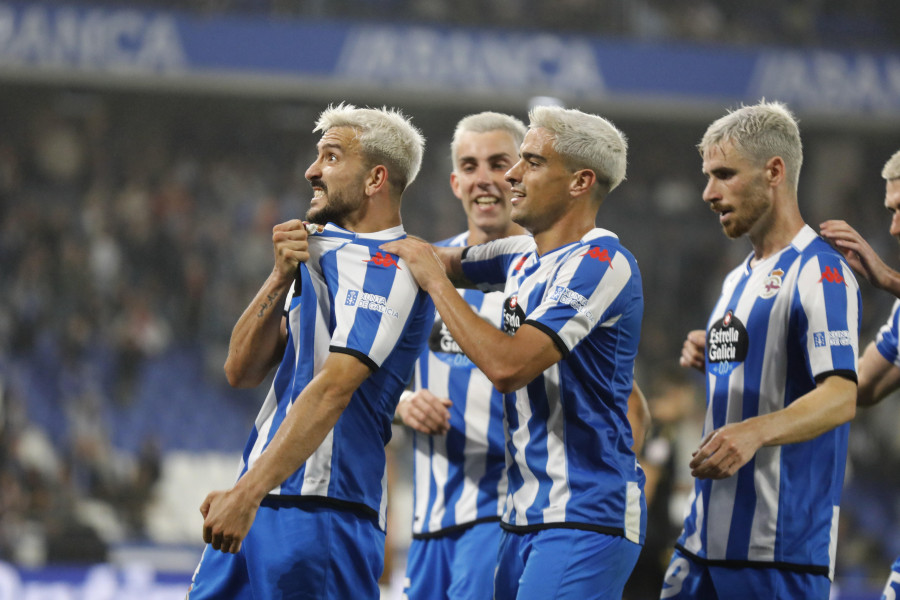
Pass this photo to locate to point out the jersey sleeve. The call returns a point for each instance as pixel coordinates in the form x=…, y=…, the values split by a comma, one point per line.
x=490, y=263
x=593, y=287
x=373, y=304
x=830, y=304
x=888, y=340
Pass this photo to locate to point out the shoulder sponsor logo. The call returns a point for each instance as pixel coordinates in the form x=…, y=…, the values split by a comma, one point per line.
x=772, y=284
x=831, y=275
x=564, y=295
x=601, y=255
x=726, y=344
x=521, y=262
x=384, y=260
x=366, y=301
x=824, y=339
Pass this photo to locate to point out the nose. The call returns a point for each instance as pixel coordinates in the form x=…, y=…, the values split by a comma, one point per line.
x=895, y=223
x=710, y=191
x=483, y=176
x=313, y=171
x=514, y=175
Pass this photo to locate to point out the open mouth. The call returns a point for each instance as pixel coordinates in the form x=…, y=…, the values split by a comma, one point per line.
x=486, y=201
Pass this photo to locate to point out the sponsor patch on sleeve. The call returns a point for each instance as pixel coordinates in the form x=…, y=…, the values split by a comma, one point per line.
x=823, y=339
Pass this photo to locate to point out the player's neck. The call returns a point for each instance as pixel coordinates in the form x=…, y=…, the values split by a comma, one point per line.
x=776, y=236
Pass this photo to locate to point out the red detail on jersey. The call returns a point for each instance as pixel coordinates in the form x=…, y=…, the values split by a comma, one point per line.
x=727, y=320
x=601, y=255
x=831, y=275
x=384, y=260
x=521, y=262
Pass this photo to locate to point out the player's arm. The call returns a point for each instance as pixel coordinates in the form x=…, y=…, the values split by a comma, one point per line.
x=451, y=258
x=638, y=417
x=725, y=450
x=877, y=377
x=860, y=256
x=509, y=362
x=229, y=514
x=259, y=337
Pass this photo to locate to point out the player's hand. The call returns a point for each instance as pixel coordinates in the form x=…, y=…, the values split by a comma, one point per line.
x=425, y=266
x=693, y=351
x=426, y=413
x=857, y=251
x=725, y=450
x=227, y=517
x=291, y=247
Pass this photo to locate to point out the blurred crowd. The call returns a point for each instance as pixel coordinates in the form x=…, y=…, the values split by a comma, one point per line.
x=869, y=24
x=135, y=228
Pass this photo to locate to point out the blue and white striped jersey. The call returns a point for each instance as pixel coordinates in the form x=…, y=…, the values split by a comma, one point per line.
x=778, y=328
x=888, y=339
x=356, y=299
x=460, y=477
x=569, y=453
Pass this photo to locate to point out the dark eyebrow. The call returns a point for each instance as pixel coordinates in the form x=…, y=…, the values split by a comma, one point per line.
x=533, y=156
x=492, y=157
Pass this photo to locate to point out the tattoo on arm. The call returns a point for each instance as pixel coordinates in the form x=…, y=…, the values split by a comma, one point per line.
x=265, y=305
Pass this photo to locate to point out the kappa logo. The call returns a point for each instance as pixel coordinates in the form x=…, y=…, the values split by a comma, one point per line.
x=601, y=255
x=384, y=260
x=831, y=275
x=772, y=284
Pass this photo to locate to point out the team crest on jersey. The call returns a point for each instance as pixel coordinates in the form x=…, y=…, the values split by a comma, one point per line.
x=313, y=228
x=726, y=344
x=772, y=284
x=513, y=315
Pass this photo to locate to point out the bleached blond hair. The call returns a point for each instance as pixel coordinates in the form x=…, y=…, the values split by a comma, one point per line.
x=485, y=122
x=760, y=132
x=386, y=136
x=585, y=141
x=891, y=168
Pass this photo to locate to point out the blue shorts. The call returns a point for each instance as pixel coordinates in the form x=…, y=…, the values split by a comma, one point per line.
x=689, y=579
x=563, y=563
x=311, y=553
x=892, y=587
x=457, y=566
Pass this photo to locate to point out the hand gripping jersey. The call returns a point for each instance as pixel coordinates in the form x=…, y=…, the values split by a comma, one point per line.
x=778, y=328
x=569, y=456
x=460, y=477
x=349, y=297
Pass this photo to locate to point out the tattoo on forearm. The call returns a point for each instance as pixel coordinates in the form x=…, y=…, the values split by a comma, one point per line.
x=265, y=305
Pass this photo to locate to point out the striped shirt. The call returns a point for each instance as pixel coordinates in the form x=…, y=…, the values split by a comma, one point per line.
x=778, y=328
x=353, y=298
x=888, y=339
x=460, y=477
x=569, y=456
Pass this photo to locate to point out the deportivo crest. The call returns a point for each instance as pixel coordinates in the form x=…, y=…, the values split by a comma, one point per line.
x=772, y=284
x=313, y=228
